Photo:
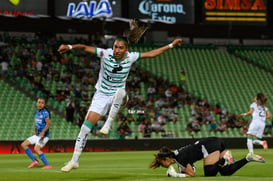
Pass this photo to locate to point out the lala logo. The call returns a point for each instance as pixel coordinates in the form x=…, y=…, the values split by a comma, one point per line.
x=14, y=2
x=92, y=10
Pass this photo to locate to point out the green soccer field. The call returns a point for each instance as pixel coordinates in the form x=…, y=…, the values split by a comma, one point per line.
x=122, y=166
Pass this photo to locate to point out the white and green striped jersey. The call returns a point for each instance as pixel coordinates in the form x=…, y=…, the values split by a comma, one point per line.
x=113, y=74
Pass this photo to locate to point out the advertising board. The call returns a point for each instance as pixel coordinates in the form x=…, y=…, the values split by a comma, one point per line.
x=88, y=8
x=173, y=11
x=23, y=7
x=235, y=11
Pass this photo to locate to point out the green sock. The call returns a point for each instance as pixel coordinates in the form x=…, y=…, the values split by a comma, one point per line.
x=88, y=124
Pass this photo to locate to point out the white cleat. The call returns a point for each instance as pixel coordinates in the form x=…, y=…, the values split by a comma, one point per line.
x=69, y=166
x=228, y=157
x=104, y=130
x=256, y=158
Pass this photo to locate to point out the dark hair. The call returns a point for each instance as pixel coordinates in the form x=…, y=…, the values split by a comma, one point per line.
x=123, y=39
x=41, y=98
x=45, y=106
x=261, y=99
x=135, y=32
x=164, y=152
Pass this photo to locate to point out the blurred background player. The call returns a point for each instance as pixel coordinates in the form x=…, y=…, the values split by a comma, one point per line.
x=259, y=113
x=110, y=87
x=213, y=152
x=41, y=135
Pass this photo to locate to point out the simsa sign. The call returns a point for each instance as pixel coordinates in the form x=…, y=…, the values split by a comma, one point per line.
x=174, y=11
x=88, y=8
x=241, y=11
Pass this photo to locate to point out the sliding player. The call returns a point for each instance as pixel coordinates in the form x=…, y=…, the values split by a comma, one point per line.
x=212, y=150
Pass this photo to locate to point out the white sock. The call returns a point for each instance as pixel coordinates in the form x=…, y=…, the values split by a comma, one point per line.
x=117, y=102
x=108, y=123
x=250, y=146
x=80, y=142
x=258, y=142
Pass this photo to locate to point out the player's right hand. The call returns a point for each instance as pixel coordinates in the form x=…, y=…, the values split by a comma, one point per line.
x=63, y=48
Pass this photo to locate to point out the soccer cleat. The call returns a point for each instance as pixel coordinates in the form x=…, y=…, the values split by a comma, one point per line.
x=47, y=167
x=104, y=129
x=256, y=158
x=33, y=163
x=265, y=146
x=69, y=166
x=228, y=157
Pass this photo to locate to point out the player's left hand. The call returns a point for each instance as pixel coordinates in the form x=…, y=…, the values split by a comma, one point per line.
x=177, y=42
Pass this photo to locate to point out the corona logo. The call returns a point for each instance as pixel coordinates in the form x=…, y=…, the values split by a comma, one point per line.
x=83, y=10
x=161, y=11
x=14, y=2
x=148, y=7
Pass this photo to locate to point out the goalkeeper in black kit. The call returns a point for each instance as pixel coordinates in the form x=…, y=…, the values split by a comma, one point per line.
x=212, y=150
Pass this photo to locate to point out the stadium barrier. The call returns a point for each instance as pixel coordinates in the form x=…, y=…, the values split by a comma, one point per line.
x=53, y=146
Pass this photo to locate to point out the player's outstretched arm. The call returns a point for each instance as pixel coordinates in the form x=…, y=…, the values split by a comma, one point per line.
x=171, y=172
x=158, y=51
x=248, y=113
x=65, y=48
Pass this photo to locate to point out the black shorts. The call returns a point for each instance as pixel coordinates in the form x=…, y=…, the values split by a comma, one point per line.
x=213, y=144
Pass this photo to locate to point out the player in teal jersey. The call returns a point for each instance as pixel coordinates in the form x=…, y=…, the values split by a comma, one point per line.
x=110, y=92
x=41, y=135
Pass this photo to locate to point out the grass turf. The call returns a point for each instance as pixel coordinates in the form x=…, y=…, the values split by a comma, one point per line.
x=122, y=166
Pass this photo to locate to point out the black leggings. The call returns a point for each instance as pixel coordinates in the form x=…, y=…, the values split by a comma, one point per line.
x=212, y=170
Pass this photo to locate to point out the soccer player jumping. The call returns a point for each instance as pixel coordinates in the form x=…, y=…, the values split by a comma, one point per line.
x=110, y=87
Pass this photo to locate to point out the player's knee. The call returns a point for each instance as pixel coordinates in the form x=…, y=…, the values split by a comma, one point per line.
x=120, y=96
x=24, y=145
x=37, y=149
x=121, y=93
